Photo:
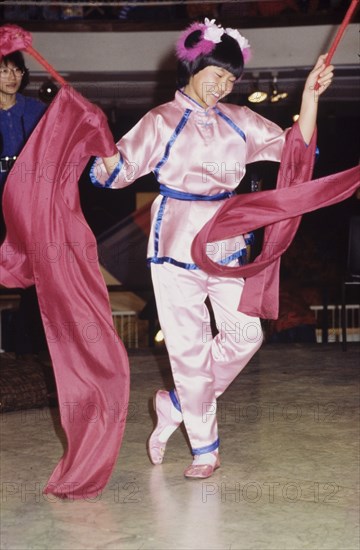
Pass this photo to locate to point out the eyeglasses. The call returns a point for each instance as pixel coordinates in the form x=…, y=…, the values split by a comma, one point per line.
x=6, y=71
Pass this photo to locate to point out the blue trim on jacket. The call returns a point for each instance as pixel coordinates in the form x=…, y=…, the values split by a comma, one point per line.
x=172, y=140
x=231, y=123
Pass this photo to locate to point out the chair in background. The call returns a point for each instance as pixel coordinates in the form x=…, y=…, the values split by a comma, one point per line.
x=352, y=275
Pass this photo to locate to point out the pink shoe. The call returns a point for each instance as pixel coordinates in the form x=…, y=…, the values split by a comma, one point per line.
x=203, y=466
x=168, y=420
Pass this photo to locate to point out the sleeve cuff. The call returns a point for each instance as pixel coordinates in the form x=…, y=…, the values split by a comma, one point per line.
x=111, y=178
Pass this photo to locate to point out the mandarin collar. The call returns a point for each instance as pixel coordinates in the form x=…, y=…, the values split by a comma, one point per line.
x=189, y=103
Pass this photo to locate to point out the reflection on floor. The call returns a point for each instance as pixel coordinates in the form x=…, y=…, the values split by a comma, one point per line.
x=289, y=430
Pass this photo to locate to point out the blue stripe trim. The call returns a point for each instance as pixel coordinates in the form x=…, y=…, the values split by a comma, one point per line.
x=231, y=123
x=250, y=239
x=239, y=255
x=190, y=99
x=182, y=196
x=174, y=400
x=167, y=259
x=158, y=225
x=111, y=178
x=171, y=142
x=207, y=449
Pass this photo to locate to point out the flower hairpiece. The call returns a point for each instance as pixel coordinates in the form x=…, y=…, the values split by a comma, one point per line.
x=13, y=38
x=211, y=34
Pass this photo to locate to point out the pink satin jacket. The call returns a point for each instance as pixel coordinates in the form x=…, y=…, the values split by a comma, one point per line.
x=192, y=151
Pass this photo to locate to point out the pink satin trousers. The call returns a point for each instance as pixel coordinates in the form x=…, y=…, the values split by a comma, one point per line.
x=203, y=365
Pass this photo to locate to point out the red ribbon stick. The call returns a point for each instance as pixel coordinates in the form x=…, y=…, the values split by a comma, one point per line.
x=351, y=9
x=50, y=69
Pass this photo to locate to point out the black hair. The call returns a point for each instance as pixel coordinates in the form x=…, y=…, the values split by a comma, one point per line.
x=227, y=54
x=17, y=59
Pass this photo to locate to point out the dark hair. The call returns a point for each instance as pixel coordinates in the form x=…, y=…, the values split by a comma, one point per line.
x=17, y=59
x=227, y=54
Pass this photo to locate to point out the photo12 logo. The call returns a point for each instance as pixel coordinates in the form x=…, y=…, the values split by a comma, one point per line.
x=271, y=492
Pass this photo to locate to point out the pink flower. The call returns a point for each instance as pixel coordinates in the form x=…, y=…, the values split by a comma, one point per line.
x=13, y=38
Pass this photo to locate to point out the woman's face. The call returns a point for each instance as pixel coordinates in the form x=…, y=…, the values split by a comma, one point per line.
x=210, y=85
x=10, y=78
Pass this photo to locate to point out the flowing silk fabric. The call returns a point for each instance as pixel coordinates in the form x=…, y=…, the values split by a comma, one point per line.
x=279, y=211
x=49, y=243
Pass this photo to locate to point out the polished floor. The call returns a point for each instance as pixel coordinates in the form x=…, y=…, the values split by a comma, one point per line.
x=289, y=479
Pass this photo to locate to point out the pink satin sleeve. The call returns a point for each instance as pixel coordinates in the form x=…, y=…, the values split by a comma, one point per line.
x=138, y=149
x=265, y=139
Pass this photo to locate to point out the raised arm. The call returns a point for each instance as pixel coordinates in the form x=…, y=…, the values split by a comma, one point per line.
x=310, y=97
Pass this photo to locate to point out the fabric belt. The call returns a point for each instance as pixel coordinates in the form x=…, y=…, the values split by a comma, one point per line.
x=6, y=163
x=180, y=195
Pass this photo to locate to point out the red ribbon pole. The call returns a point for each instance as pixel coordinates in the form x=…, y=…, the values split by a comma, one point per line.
x=44, y=63
x=351, y=9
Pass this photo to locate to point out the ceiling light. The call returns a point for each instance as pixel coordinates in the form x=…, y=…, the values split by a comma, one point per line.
x=256, y=95
x=276, y=95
